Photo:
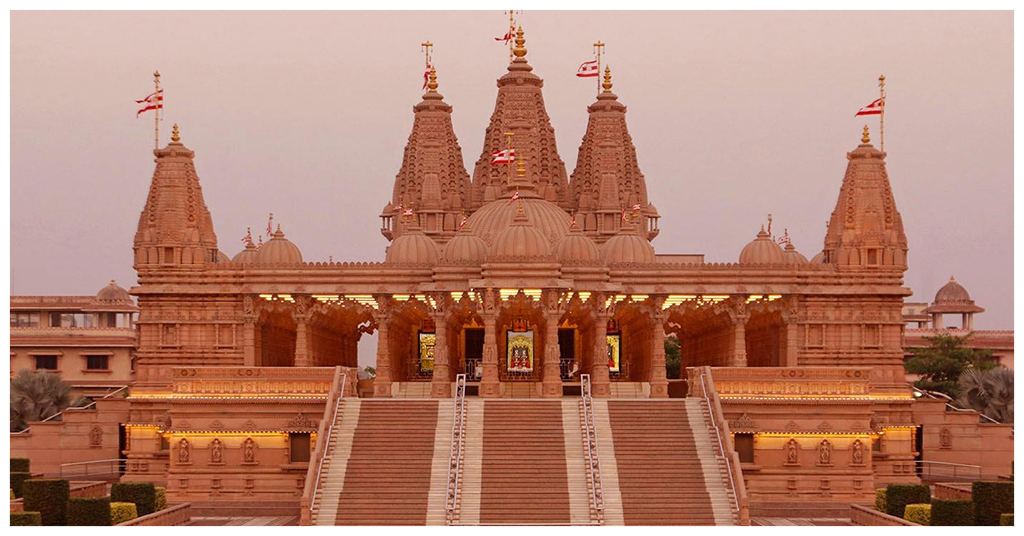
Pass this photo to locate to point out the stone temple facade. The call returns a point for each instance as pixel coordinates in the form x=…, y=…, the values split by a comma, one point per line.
x=524, y=277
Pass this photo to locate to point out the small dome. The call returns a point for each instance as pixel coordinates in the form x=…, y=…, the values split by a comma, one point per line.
x=465, y=247
x=521, y=239
x=628, y=247
x=221, y=257
x=762, y=250
x=278, y=250
x=577, y=247
x=247, y=255
x=413, y=247
x=819, y=258
x=113, y=293
x=791, y=256
x=952, y=293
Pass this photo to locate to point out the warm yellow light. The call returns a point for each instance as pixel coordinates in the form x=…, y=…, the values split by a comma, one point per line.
x=227, y=397
x=774, y=296
x=754, y=297
x=676, y=299
x=267, y=296
x=866, y=435
x=507, y=293
x=533, y=293
x=584, y=296
x=816, y=397
x=639, y=297
x=326, y=297
x=400, y=297
x=227, y=433
x=457, y=296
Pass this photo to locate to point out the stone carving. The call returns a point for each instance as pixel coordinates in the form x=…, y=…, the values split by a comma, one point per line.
x=945, y=438
x=744, y=423
x=792, y=452
x=216, y=451
x=217, y=425
x=249, y=451
x=183, y=451
x=301, y=422
x=96, y=437
x=825, y=452
x=857, y=452
x=792, y=425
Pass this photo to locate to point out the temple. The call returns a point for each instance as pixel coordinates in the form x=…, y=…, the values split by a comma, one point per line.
x=521, y=317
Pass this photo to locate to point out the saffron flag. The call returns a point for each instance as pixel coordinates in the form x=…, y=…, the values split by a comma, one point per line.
x=463, y=222
x=503, y=156
x=588, y=69
x=875, y=108
x=153, y=101
x=508, y=36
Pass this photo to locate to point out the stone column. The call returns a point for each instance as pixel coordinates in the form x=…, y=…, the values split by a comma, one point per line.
x=248, y=332
x=599, y=379
x=551, y=377
x=658, y=375
x=739, y=352
x=301, y=315
x=490, y=385
x=790, y=357
x=382, y=316
x=441, y=384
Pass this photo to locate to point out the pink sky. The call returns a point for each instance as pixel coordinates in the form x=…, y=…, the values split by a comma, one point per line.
x=735, y=115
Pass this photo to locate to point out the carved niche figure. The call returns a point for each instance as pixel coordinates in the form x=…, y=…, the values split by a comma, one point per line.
x=857, y=452
x=95, y=437
x=825, y=452
x=945, y=438
x=249, y=451
x=183, y=451
x=216, y=451
x=792, y=452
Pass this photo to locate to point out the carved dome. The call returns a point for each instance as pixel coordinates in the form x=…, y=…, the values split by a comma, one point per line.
x=521, y=238
x=576, y=247
x=819, y=258
x=465, y=246
x=113, y=293
x=412, y=247
x=953, y=298
x=278, y=250
x=222, y=257
x=547, y=219
x=247, y=255
x=628, y=247
x=791, y=256
x=762, y=250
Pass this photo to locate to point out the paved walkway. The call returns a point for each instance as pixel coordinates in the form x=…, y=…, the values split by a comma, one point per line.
x=800, y=521
x=269, y=521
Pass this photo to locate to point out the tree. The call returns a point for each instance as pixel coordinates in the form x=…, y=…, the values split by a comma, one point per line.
x=988, y=392
x=673, y=358
x=39, y=395
x=941, y=363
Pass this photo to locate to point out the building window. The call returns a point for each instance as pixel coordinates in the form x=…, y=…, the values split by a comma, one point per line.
x=165, y=443
x=46, y=362
x=97, y=362
x=299, y=446
x=71, y=320
x=744, y=447
x=24, y=320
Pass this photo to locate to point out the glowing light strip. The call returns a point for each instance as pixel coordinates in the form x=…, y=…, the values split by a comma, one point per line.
x=401, y=297
x=639, y=297
x=457, y=296
x=227, y=397
x=818, y=398
x=798, y=433
x=584, y=296
x=223, y=433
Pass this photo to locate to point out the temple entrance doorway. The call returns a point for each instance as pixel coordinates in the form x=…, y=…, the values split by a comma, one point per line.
x=707, y=334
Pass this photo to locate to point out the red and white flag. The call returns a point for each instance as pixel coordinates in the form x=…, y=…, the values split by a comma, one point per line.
x=508, y=36
x=636, y=207
x=248, y=235
x=153, y=101
x=624, y=215
x=514, y=197
x=588, y=69
x=463, y=222
x=426, y=76
x=875, y=108
x=407, y=212
x=270, y=224
x=503, y=156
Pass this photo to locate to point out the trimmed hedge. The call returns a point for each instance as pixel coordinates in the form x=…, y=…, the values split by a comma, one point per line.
x=952, y=512
x=20, y=465
x=49, y=497
x=121, y=512
x=898, y=496
x=26, y=519
x=880, y=500
x=161, y=498
x=89, y=511
x=143, y=494
x=918, y=513
x=17, y=479
x=990, y=500
x=1006, y=520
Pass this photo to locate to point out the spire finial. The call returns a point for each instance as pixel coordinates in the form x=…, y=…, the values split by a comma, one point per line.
x=175, y=137
x=432, y=84
x=521, y=166
x=520, y=50
x=866, y=138
x=607, y=85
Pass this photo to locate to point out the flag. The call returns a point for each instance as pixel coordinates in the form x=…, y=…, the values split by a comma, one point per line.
x=507, y=37
x=636, y=207
x=875, y=108
x=153, y=101
x=407, y=212
x=514, y=197
x=503, y=156
x=248, y=235
x=588, y=69
x=258, y=246
x=270, y=224
x=426, y=75
x=463, y=222
x=624, y=215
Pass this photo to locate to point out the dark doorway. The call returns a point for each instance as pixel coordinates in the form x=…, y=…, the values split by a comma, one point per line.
x=474, y=352
x=567, y=354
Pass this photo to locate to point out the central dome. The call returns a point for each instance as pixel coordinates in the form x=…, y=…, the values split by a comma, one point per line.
x=521, y=238
x=550, y=221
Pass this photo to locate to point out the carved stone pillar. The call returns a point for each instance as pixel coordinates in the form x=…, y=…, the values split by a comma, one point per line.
x=600, y=383
x=658, y=376
x=790, y=355
x=489, y=383
x=551, y=377
x=441, y=384
x=301, y=315
x=248, y=332
x=382, y=316
x=739, y=351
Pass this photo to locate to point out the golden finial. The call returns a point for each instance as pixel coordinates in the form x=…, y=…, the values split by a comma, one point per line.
x=174, y=134
x=156, y=74
x=520, y=166
x=519, y=206
x=866, y=139
x=432, y=84
x=520, y=51
x=607, y=85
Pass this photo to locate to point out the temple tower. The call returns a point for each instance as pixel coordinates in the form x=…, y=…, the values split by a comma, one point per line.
x=520, y=110
x=175, y=227
x=866, y=230
x=607, y=179
x=433, y=177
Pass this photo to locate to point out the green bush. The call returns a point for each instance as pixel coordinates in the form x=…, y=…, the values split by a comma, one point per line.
x=950, y=512
x=897, y=496
x=16, y=481
x=20, y=465
x=1006, y=520
x=161, y=498
x=880, y=499
x=49, y=497
x=918, y=513
x=26, y=519
x=143, y=494
x=990, y=500
x=89, y=511
x=121, y=512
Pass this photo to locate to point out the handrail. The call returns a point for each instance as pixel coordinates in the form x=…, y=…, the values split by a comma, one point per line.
x=732, y=462
x=457, y=447
x=590, y=439
x=324, y=433
x=925, y=469
x=120, y=464
x=949, y=403
x=87, y=406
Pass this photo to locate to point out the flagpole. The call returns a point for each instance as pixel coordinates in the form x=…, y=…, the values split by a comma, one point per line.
x=159, y=107
x=598, y=45
x=511, y=25
x=881, y=129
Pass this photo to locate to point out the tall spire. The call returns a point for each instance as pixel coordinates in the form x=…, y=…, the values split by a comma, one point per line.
x=865, y=228
x=175, y=227
x=519, y=108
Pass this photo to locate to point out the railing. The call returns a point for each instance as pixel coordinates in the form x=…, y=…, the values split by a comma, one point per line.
x=732, y=461
x=590, y=440
x=179, y=514
x=87, y=406
x=323, y=439
x=948, y=470
x=458, y=446
x=100, y=468
x=949, y=404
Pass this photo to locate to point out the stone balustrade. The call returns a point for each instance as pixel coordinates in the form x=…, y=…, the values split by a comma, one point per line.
x=789, y=382
x=252, y=381
x=179, y=514
x=951, y=490
x=869, y=517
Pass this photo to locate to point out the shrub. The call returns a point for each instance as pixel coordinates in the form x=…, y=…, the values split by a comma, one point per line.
x=121, y=512
x=880, y=500
x=897, y=496
x=918, y=513
x=49, y=497
x=143, y=494
x=16, y=481
x=949, y=512
x=89, y=511
x=1006, y=520
x=20, y=465
x=990, y=500
x=26, y=519
x=161, y=498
